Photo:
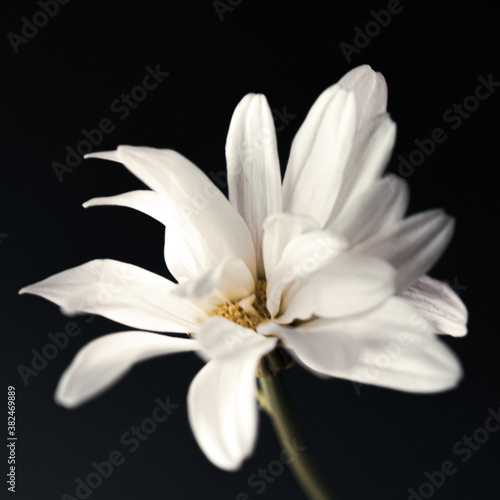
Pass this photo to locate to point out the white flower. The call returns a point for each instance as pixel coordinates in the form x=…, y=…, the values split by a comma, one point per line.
x=344, y=271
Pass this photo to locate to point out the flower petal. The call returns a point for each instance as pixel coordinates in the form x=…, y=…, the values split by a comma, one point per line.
x=438, y=302
x=148, y=202
x=369, y=156
x=370, y=91
x=373, y=211
x=203, y=228
x=104, y=361
x=319, y=155
x=391, y=346
x=302, y=256
x=182, y=264
x=121, y=292
x=413, y=246
x=350, y=284
x=229, y=281
x=254, y=178
x=279, y=230
x=222, y=405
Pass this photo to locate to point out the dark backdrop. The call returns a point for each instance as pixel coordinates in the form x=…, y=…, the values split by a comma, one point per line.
x=64, y=77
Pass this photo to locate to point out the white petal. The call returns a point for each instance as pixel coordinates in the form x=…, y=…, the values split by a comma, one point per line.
x=319, y=345
x=369, y=156
x=370, y=91
x=254, y=178
x=378, y=208
x=302, y=256
x=391, y=346
x=148, y=202
x=279, y=230
x=181, y=264
x=438, y=302
x=104, y=361
x=222, y=405
x=203, y=228
x=229, y=281
x=319, y=155
x=121, y=292
x=412, y=246
x=350, y=284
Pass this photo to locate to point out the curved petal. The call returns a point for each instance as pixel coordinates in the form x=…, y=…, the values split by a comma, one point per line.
x=121, y=292
x=182, y=264
x=304, y=255
x=391, y=346
x=350, y=284
x=229, y=281
x=369, y=156
x=279, y=230
x=319, y=154
x=222, y=405
x=370, y=91
x=203, y=228
x=379, y=208
x=254, y=178
x=413, y=246
x=438, y=302
x=148, y=202
x=104, y=361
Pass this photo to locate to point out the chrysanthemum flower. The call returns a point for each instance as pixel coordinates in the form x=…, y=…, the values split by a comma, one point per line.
x=323, y=268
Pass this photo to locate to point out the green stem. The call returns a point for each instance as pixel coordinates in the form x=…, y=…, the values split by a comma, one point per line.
x=274, y=398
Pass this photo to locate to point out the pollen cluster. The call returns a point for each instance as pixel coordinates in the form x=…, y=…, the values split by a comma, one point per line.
x=247, y=318
x=260, y=301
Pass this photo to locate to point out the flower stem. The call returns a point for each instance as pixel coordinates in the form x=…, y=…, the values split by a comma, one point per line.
x=274, y=399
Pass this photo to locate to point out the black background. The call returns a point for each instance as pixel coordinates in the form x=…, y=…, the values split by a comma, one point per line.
x=373, y=445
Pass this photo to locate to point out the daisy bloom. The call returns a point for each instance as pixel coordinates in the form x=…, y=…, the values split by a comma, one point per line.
x=322, y=269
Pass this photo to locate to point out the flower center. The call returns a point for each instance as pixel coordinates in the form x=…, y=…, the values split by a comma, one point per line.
x=249, y=315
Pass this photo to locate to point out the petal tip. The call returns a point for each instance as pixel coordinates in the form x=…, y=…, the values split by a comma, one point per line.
x=65, y=401
x=61, y=396
x=29, y=290
x=90, y=203
x=102, y=155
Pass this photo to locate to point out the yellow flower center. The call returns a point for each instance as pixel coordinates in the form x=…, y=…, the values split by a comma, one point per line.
x=251, y=316
x=250, y=313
